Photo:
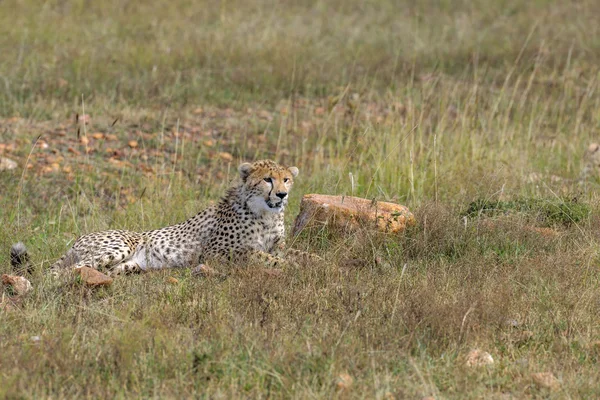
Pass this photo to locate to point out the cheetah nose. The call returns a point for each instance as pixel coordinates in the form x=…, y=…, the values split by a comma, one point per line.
x=281, y=195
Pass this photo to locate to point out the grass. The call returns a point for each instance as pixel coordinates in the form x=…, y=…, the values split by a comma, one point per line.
x=548, y=212
x=443, y=106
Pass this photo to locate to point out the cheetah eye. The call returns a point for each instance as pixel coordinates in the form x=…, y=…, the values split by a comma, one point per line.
x=268, y=180
x=286, y=179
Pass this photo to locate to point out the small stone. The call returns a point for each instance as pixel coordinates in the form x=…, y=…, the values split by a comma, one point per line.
x=204, y=271
x=84, y=119
x=264, y=114
x=344, y=381
x=133, y=144
x=512, y=323
x=351, y=213
x=546, y=380
x=225, y=156
x=19, y=284
x=478, y=358
x=7, y=164
x=92, y=277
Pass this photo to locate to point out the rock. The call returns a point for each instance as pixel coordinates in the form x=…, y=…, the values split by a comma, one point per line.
x=7, y=164
x=226, y=156
x=512, y=323
x=205, y=271
x=478, y=358
x=344, y=381
x=546, y=380
x=92, y=277
x=19, y=284
x=351, y=213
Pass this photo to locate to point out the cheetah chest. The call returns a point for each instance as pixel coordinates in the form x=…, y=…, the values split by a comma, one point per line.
x=269, y=236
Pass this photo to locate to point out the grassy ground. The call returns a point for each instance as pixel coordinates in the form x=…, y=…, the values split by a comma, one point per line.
x=475, y=114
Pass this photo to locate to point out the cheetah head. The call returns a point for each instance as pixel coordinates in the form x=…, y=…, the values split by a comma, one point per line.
x=267, y=185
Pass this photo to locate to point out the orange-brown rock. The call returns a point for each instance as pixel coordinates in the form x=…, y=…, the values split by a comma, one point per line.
x=344, y=381
x=478, y=358
x=351, y=213
x=19, y=284
x=205, y=271
x=7, y=164
x=92, y=277
x=546, y=380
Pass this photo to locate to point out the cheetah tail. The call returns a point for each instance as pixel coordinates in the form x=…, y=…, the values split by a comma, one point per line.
x=19, y=258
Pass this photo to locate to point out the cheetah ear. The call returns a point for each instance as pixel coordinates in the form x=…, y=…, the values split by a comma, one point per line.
x=294, y=171
x=245, y=170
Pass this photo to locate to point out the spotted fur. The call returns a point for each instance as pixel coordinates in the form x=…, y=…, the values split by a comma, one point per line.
x=247, y=223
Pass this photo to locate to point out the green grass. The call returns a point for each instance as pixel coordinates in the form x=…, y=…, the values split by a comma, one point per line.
x=548, y=212
x=474, y=114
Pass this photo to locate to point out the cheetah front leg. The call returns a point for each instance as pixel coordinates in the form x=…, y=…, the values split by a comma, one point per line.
x=125, y=268
x=272, y=261
x=304, y=256
x=294, y=255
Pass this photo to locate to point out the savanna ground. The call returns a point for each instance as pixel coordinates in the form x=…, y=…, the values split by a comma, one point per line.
x=136, y=114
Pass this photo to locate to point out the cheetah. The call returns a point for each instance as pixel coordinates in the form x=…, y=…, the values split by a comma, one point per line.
x=247, y=223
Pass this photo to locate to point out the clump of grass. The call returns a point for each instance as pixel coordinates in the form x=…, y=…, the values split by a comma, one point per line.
x=546, y=211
